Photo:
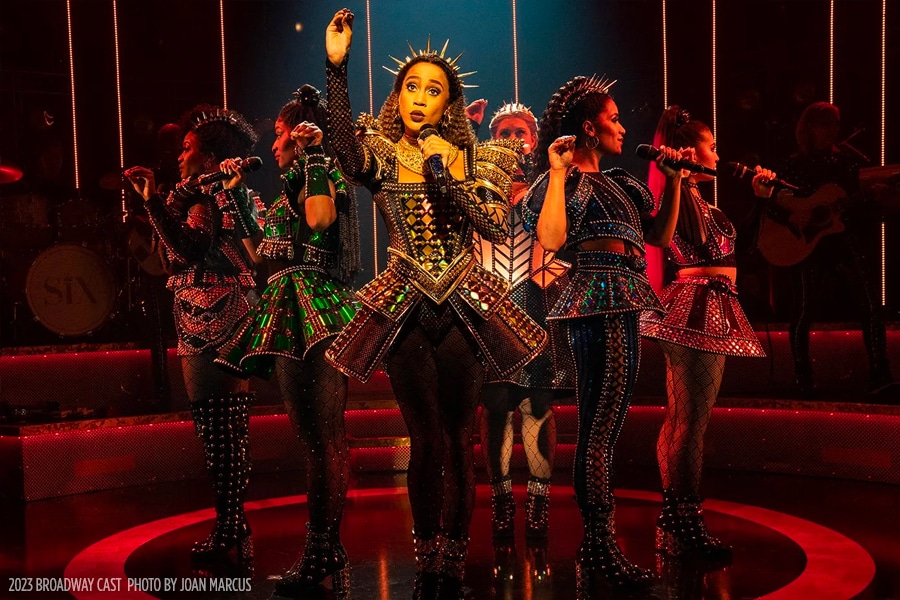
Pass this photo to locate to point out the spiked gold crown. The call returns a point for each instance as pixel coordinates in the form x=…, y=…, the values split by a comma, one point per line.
x=428, y=51
x=512, y=109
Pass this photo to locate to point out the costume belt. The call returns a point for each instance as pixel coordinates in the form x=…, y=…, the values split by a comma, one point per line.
x=437, y=288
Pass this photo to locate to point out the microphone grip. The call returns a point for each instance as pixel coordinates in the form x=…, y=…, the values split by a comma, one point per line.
x=440, y=176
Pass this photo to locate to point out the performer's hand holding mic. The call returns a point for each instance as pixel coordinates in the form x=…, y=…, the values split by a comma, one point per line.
x=648, y=152
x=740, y=171
x=435, y=161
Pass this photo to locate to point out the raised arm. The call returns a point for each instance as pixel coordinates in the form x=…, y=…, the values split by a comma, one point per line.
x=552, y=225
x=350, y=152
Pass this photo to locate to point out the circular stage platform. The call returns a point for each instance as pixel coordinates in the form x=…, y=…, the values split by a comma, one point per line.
x=776, y=556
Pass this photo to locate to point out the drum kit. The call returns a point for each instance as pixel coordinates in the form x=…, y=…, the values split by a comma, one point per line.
x=75, y=269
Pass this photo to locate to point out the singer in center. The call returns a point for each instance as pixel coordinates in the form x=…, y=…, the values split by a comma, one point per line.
x=435, y=318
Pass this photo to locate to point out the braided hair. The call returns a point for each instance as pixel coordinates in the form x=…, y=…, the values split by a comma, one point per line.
x=307, y=105
x=577, y=101
x=223, y=133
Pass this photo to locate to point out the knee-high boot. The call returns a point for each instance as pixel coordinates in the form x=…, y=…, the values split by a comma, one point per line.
x=223, y=423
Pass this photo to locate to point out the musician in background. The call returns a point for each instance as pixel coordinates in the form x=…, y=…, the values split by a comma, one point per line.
x=850, y=253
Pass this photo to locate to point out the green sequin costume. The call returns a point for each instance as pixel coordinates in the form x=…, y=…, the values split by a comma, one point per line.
x=305, y=301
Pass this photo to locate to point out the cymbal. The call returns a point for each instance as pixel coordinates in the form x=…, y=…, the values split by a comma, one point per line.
x=9, y=173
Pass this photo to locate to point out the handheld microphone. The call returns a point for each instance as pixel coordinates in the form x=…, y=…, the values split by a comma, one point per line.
x=248, y=165
x=434, y=161
x=740, y=171
x=648, y=152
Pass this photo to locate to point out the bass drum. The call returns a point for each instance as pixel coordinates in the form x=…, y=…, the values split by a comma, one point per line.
x=70, y=290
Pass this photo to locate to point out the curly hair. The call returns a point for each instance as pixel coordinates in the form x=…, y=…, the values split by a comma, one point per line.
x=676, y=129
x=458, y=131
x=223, y=133
x=307, y=105
x=574, y=103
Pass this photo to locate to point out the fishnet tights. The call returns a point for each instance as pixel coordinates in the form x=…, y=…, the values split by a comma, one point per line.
x=315, y=396
x=204, y=379
x=436, y=377
x=538, y=429
x=693, y=379
x=607, y=355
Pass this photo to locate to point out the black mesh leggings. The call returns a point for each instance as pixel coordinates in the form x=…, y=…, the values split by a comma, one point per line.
x=692, y=385
x=436, y=377
x=204, y=379
x=315, y=396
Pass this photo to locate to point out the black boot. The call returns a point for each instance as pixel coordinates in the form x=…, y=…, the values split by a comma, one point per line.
x=428, y=566
x=537, y=508
x=681, y=530
x=323, y=556
x=503, y=505
x=600, y=563
x=224, y=426
x=453, y=568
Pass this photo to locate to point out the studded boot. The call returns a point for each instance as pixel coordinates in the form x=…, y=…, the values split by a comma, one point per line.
x=323, y=556
x=600, y=563
x=503, y=505
x=537, y=508
x=681, y=530
x=428, y=566
x=223, y=425
x=453, y=568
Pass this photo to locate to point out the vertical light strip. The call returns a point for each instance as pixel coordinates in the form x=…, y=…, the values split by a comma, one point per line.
x=119, y=104
x=222, y=42
x=883, y=77
x=831, y=53
x=515, y=28
x=372, y=112
x=665, y=59
x=882, y=153
x=369, y=50
x=714, y=114
x=72, y=91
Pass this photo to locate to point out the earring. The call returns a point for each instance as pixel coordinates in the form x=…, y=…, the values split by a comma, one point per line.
x=445, y=120
x=592, y=142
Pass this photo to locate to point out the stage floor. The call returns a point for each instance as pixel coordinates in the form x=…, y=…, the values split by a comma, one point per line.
x=794, y=538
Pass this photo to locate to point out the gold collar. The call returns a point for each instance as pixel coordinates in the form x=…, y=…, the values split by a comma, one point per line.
x=410, y=156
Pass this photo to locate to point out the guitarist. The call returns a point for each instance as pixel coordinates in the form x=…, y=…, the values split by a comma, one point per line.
x=818, y=161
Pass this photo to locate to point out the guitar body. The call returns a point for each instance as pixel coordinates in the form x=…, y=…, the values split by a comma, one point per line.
x=791, y=227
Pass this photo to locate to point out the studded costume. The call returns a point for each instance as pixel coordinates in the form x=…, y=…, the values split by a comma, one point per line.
x=599, y=310
x=703, y=324
x=435, y=317
x=211, y=278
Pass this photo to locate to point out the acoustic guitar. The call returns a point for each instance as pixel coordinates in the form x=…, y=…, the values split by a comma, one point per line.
x=791, y=227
